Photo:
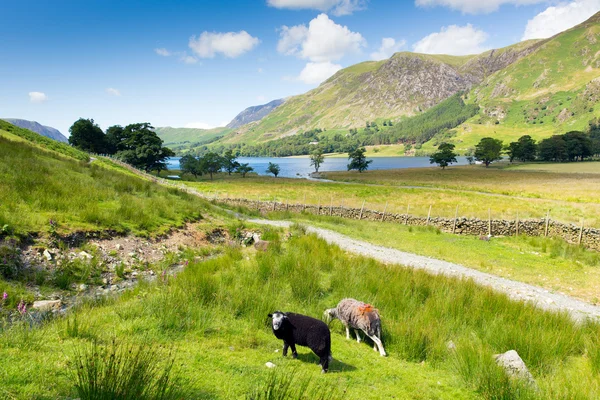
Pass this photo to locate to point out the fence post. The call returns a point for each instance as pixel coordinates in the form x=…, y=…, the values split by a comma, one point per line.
x=274, y=203
x=257, y=202
x=287, y=204
x=331, y=206
x=304, y=204
x=517, y=225
x=455, y=217
x=429, y=214
x=547, y=222
x=319, y=205
x=489, y=222
x=384, y=210
x=581, y=231
x=361, y=210
x=342, y=205
x=407, y=210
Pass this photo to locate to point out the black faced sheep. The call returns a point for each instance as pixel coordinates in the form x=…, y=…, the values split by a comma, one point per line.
x=358, y=315
x=297, y=329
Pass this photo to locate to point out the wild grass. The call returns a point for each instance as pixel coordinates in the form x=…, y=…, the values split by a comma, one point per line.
x=214, y=313
x=38, y=186
x=545, y=262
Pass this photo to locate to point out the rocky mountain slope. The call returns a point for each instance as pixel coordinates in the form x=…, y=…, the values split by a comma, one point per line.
x=404, y=85
x=254, y=113
x=38, y=128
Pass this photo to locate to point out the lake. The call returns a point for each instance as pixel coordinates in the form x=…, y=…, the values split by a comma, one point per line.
x=300, y=167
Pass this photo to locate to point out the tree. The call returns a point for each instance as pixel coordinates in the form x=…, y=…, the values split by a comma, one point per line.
x=358, y=160
x=229, y=162
x=444, y=156
x=114, y=139
x=512, y=150
x=579, y=145
x=87, y=136
x=190, y=165
x=273, y=169
x=244, y=169
x=488, y=150
x=553, y=149
x=142, y=148
x=317, y=158
x=211, y=163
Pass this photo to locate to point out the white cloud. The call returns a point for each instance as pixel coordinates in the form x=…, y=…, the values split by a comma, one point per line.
x=475, y=6
x=188, y=59
x=323, y=40
x=559, y=18
x=454, y=40
x=199, y=125
x=230, y=44
x=337, y=7
x=113, y=91
x=260, y=70
x=162, y=52
x=318, y=72
x=37, y=97
x=388, y=47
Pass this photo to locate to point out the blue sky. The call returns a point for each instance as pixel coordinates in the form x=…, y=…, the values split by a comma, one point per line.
x=198, y=63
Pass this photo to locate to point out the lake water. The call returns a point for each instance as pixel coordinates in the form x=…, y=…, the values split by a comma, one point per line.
x=300, y=167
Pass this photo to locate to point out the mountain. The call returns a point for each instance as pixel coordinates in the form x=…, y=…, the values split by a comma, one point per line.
x=403, y=85
x=255, y=113
x=38, y=128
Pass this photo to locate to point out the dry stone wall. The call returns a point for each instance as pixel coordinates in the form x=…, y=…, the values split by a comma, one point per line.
x=588, y=237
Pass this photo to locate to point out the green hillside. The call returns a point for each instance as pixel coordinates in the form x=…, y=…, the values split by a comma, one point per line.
x=180, y=138
x=43, y=180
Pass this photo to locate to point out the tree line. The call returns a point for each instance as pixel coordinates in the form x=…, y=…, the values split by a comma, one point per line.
x=136, y=144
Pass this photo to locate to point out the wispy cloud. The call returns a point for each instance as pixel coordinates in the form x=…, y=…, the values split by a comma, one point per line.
x=337, y=7
x=162, y=52
x=37, y=97
x=454, y=40
x=113, y=92
x=229, y=44
x=388, y=47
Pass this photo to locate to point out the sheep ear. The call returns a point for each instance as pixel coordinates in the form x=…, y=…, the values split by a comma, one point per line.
x=270, y=315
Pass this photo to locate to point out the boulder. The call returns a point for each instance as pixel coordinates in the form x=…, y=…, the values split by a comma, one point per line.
x=47, y=255
x=46, y=305
x=262, y=245
x=84, y=255
x=270, y=365
x=514, y=365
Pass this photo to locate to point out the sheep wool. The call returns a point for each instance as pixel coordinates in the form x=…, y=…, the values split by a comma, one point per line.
x=297, y=329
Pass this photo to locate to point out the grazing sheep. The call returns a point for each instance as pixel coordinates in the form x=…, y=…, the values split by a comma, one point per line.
x=358, y=315
x=296, y=329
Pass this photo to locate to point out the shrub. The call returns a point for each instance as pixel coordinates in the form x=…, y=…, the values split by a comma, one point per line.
x=11, y=266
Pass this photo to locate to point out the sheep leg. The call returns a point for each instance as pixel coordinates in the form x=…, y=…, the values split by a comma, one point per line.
x=377, y=341
x=294, y=352
x=357, y=333
x=347, y=333
x=285, y=348
x=324, y=363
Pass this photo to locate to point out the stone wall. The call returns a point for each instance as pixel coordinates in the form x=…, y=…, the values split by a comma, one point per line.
x=588, y=237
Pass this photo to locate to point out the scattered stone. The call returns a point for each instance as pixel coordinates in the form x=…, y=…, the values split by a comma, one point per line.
x=270, y=365
x=83, y=287
x=119, y=246
x=104, y=281
x=85, y=255
x=47, y=255
x=132, y=254
x=262, y=245
x=46, y=305
x=514, y=365
x=450, y=345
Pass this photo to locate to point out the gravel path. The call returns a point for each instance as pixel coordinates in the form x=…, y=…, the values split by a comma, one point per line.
x=542, y=298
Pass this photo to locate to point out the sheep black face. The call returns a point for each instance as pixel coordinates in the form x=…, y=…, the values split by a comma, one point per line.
x=296, y=329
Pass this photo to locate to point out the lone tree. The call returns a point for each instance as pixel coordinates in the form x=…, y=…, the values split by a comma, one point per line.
x=211, y=163
x=358, y=160
x=444, y=156
x=316, y=159
x=243, y=169
x=273, y=169
x=190, y=165
x=488, y=150
x=229, y=162
x=87, y=136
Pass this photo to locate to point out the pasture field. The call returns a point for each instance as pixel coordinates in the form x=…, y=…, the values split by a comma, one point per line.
x=210, y=320
x=474, y=189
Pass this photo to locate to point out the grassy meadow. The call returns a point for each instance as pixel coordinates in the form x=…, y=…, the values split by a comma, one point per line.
x=474, y=189
x=39, y=184
x=210, y=323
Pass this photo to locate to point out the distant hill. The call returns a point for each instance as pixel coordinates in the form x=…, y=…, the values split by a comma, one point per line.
x=38, y=128
x=179, y=139
x=255, y=113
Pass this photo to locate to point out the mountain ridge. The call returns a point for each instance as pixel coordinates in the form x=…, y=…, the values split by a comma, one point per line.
x=36, y=127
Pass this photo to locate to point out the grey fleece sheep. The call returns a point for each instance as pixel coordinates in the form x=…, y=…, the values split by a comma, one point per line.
x=358, y=316
x=296, y=329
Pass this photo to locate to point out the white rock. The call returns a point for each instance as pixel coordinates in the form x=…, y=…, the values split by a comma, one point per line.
x=514, y=365
x=270, y=365
x=119, y=246
x=46, y=305
x=48, y=255
x=85, y=255
x=83, y=287
x=450, y=345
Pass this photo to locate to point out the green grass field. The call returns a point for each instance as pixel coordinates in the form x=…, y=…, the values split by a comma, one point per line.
x=221, y=339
